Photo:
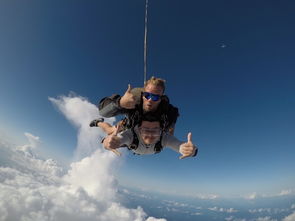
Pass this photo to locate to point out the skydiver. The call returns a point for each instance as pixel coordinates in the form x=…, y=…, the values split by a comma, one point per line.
x=135, y=102
x=148, y=138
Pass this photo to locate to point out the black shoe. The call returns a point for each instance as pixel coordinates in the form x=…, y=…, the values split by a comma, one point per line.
x=94, y=122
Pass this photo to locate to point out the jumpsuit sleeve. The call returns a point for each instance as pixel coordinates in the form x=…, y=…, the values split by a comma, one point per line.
x=109, y=106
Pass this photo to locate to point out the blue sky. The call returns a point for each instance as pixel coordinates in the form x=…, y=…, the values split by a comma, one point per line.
x=229, y=68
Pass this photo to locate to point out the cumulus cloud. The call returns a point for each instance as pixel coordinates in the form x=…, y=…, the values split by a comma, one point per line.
x=32, y=188
x=207, y=196
x=34, y=142
x=154, y=219
x=269, y=210
x=217, y=209
x=267, y=218
x=197, y=214
x=229, y=218
x=79, y=111
x=285, y=192
x=174, y=203
x=232, y=218
x=260, y=210
x=252, y=196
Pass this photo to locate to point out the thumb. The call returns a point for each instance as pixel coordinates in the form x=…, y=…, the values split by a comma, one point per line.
x=116, y=130
x=189, y=137
x=129, y=89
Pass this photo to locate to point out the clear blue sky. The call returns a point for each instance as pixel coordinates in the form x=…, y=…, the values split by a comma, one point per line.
x=229, y=67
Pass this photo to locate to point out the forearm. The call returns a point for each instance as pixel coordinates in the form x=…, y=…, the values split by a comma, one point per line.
x=172, y=142
x=177, y=145
x=110, y=107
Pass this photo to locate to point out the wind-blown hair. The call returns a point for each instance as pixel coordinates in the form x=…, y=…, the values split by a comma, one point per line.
x=157, y=82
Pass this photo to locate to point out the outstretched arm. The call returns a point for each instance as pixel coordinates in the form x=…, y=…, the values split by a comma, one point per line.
x=186, y=149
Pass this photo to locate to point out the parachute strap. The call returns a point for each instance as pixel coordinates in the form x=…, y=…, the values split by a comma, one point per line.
x=158, y=146
x=145, y=42
x=134, y=144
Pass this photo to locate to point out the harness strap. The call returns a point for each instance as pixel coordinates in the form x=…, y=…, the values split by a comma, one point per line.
x=134, y=144
x=158, y=146
x=145, y=41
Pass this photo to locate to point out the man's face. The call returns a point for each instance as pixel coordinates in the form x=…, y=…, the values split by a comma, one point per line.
x=150, y=132
x=148, y=103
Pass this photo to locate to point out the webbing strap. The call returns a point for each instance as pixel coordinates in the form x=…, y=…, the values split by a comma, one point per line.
x=145, y=42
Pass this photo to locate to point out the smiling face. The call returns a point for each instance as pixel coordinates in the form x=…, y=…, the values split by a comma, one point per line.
x=149, y=104
x=150, y=132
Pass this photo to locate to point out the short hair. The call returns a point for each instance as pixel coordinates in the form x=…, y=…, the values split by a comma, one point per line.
x=151, y=117
x=156, y=81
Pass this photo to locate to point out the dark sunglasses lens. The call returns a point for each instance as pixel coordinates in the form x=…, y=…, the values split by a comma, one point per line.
x=148, y=96
x=155, y=97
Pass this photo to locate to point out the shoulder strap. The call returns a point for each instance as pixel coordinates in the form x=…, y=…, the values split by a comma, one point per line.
x=134, y=116
x=134, y=144
x=158, y=146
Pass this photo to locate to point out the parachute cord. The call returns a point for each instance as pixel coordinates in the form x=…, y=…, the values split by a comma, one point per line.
x=145, y=42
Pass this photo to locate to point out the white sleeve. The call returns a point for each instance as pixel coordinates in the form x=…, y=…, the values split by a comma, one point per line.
x=171, y=142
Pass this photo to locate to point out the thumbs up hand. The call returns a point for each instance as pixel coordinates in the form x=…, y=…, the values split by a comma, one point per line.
x=187, y=149
x=112, y=142
x=128, y=100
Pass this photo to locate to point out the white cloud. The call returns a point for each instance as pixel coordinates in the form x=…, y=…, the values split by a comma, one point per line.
x=232, y=218
x=267, y=218
x=79, y=111
x=32, y=188
x=252, y=196
x=285, y=192
x=170, y=203
x=260, y=210
x=196, y=214
x=217, y=209
x=33, y=140
x=231, y=210
x=291, y=217
x=229, y=218
x=154, y=219
x=214, y=208
x=207, y=196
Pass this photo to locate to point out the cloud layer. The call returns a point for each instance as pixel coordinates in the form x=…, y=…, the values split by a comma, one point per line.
x=32, y=188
